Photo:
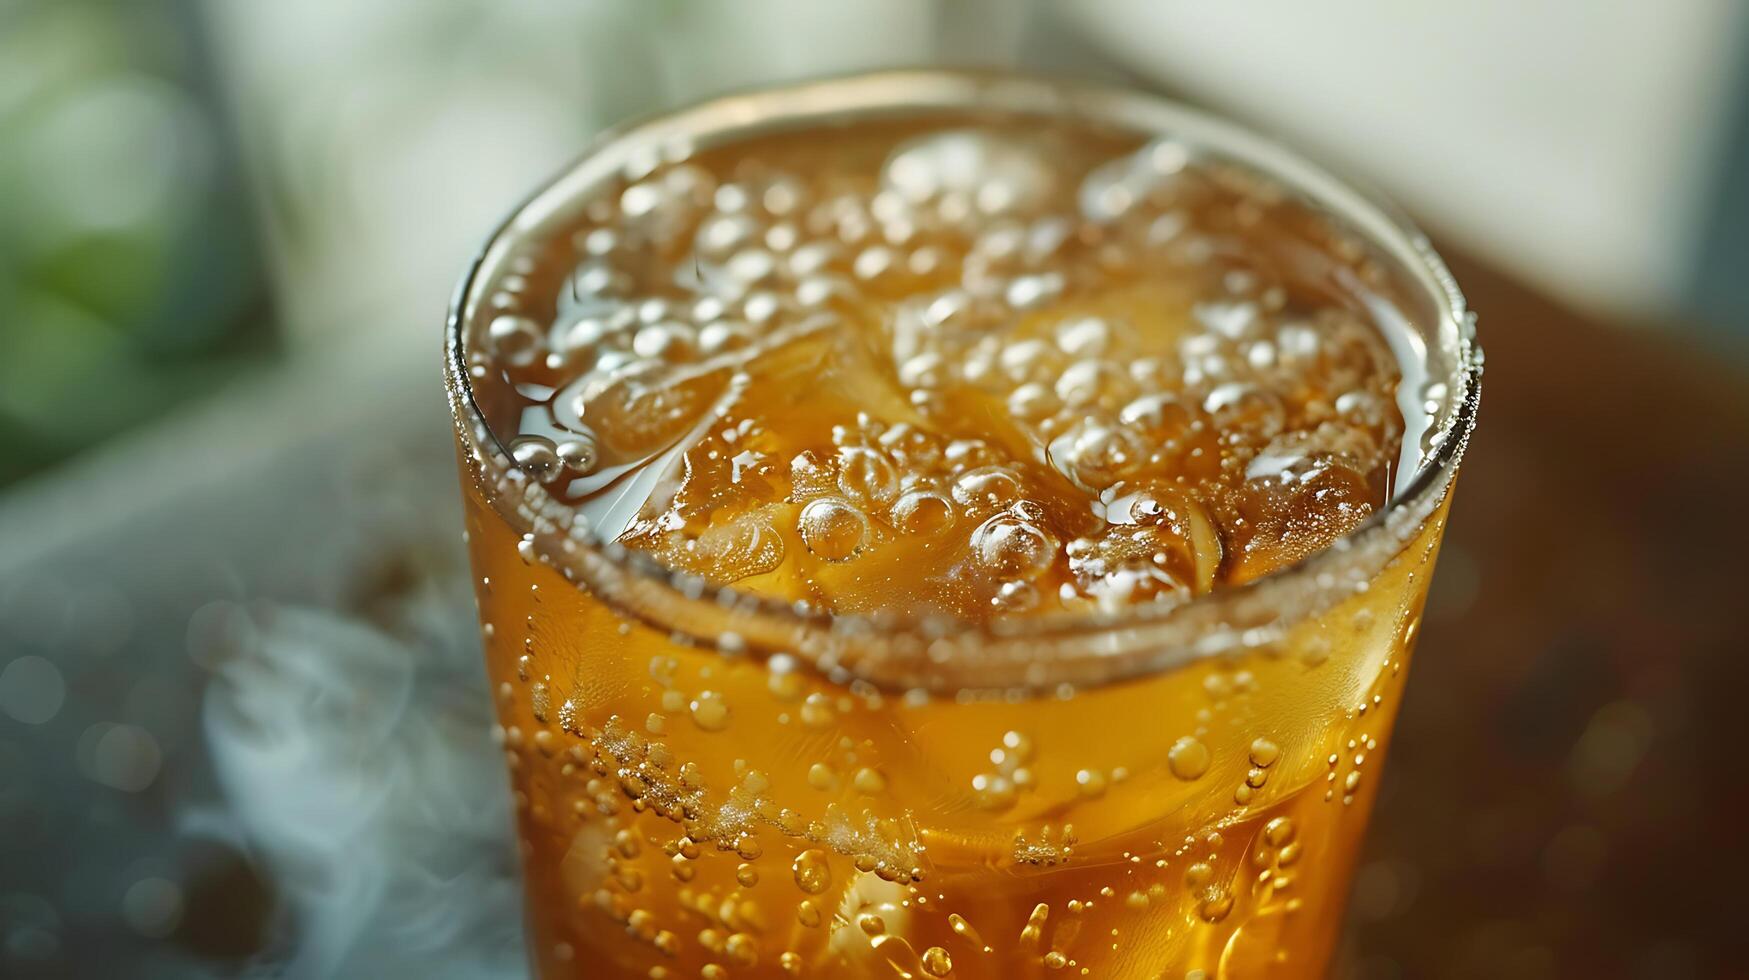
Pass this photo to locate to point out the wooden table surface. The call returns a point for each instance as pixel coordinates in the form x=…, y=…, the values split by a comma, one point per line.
x=1565, y=795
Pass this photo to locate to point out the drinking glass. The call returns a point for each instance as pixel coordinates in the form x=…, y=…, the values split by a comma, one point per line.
x=711, y=783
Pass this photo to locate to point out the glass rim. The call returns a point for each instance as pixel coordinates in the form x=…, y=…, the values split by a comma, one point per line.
x=904, y=650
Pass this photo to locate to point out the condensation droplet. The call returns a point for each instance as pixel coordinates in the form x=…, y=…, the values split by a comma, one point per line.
x=710, y=712
x=1215, y=904
x=822, y=777
x=1279, y=832
x=741, y=949
x=1264, y=753
x=813, y=872
x=817, y=711
x=1188, y=758
x=1090, y=782
x=869, y=782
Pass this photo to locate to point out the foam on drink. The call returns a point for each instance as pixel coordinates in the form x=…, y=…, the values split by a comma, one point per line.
x=977, y=371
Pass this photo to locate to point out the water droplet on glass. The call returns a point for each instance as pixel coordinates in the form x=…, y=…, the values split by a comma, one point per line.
x=1188, y=758
x=710, y=712
x=936, y=962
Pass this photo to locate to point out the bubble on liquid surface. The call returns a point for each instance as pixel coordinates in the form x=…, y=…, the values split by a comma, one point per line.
x=1091, y=382
x=922, y=512
x=1161, y=414
x=578, y=453
x=516, y=340
x=1001, y=174
x=537, y=455
x=1114, y=189
x=1017, y=595
x=986, y=488
x=1012, y=546
x=1093, y=455
x=1239, y=407
x=866, y=475
x=833, y=528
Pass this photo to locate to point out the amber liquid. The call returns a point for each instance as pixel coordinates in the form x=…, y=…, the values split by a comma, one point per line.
x=686, y=811
x=1165, y=876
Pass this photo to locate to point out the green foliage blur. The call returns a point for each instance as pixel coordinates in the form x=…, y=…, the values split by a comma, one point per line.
x=129, y=274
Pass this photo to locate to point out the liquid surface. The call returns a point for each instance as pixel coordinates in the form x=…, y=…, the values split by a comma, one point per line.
x=972, y=371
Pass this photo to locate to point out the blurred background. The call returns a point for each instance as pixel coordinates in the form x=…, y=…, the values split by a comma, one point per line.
x=241, y=715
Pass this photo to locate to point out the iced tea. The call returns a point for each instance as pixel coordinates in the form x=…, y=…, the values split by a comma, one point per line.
x=932, y=526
